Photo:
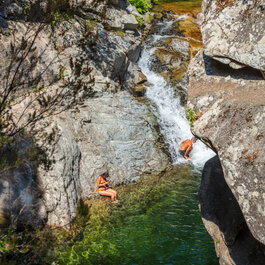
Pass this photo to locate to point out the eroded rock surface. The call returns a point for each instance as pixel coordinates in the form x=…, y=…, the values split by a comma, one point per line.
x=233, y=125
x=233, y=32
x=99, y=125
x=114, y=133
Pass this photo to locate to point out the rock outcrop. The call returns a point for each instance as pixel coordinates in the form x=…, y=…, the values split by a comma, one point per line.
x=223, y=218
x=113, y=132
x=99, y=125
x=232, y=32
x=232, y=99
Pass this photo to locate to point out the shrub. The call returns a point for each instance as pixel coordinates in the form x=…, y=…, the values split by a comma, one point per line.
x=140, y=21
x=142, y=5
x=191, y=115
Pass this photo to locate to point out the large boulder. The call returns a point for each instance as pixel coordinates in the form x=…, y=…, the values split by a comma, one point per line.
x=232, y=103
x=227, y=86
x=233, y=32
x=224, y=220
x=98, y=127
x=120, y=19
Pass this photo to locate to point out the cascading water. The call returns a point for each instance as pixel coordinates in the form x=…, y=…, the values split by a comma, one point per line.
x=171, y=114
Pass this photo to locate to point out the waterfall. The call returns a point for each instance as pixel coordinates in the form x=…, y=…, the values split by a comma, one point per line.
x=166, y=105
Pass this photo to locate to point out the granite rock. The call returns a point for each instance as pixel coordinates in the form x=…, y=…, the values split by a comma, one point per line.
x=232, y=103
x=235, y=32
x=222, y=216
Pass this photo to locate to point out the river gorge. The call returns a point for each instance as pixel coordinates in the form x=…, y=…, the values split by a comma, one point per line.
x=94, y=86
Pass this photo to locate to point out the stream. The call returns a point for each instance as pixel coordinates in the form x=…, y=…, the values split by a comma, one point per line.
x=166, y=105
x=161, y=226
x=171, y=230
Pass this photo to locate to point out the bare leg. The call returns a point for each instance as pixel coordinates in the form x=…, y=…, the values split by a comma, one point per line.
x=106, y=193
x=113, y=192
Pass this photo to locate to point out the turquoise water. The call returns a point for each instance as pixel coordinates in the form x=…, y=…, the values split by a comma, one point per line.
x=154, y=224
x=169, y=232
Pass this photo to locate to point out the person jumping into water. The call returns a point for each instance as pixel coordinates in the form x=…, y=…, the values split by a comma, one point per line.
x=186, y=147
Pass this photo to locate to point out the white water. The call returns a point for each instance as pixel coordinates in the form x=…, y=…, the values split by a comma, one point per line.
x=171, y=115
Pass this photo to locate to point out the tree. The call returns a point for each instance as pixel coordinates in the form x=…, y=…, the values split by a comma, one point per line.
x=32, y=88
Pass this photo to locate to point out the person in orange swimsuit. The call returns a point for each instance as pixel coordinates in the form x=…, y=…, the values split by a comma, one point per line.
x=103, y=188
x=186, y=147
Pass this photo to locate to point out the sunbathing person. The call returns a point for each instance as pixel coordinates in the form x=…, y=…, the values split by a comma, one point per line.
x=104, y=189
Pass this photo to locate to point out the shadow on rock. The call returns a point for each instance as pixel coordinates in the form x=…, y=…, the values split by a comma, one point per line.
x=224, y=220
x=21, y=195
x=217, y=68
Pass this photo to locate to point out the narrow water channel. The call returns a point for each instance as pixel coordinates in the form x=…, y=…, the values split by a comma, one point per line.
x=166, y=103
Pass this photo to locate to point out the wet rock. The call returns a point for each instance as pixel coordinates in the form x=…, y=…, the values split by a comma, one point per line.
x=171, y=60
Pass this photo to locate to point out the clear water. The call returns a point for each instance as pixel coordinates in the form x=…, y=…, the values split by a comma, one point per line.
x=169, y=232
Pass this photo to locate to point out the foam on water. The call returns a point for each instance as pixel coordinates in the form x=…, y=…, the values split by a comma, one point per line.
x=171, y=114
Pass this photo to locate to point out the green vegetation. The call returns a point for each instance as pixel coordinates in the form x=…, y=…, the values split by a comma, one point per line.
x=142, y=5
x=26, y=9
x=90, y=24
x=61, y=72
x=59, y=11
x=107, y=234
x=191, y=115
x=59, y=16
x=28, y=247
x=4, y=139
x=89, y=241
x=140, y=21
x=119, y=32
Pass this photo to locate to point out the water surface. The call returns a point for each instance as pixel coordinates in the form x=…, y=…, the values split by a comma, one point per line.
x=169, y=232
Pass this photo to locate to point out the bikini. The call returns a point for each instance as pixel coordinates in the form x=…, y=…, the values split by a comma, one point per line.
x=102, y=181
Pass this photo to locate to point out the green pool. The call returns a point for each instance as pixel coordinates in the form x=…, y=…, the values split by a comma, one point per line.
x=169, y=232
x=154, y=224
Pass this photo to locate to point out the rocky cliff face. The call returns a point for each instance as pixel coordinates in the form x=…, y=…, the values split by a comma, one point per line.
x=104, y=127
x=227, y=85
